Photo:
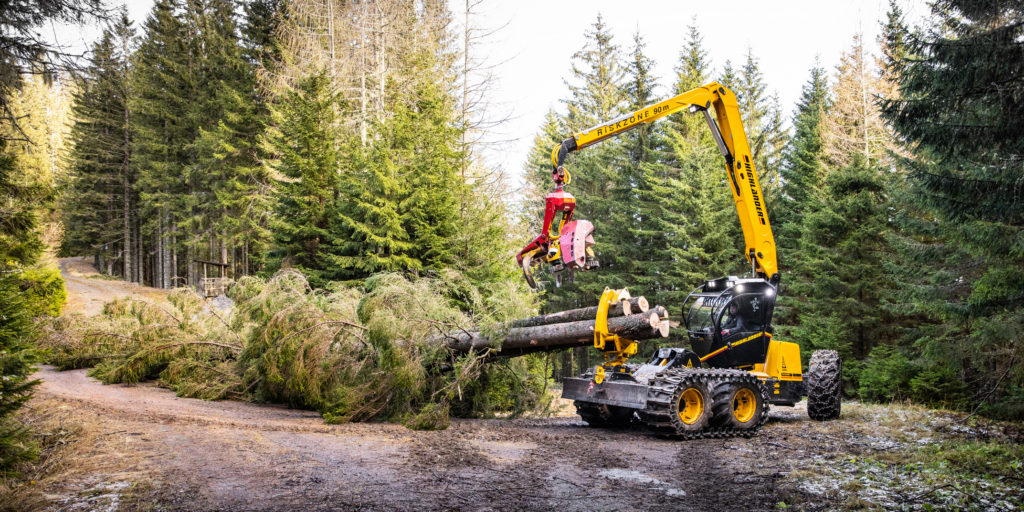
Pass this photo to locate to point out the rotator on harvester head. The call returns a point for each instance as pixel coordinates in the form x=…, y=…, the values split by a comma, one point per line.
x=722, y=385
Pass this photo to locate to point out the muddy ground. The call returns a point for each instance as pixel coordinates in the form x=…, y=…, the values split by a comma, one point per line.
x=197, y=455
x=142, y=448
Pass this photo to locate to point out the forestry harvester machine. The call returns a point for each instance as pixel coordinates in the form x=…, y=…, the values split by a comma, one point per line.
x=724, y=383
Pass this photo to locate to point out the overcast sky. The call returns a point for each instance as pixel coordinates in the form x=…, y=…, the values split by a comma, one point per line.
x=533, y=51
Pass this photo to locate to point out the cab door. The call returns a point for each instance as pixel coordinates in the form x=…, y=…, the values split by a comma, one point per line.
x=746, y=341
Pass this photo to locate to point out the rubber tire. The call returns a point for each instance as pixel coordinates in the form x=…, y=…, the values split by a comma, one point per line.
x=723, y=406
x=603, y=415
x=825, y=386
x=702, y=422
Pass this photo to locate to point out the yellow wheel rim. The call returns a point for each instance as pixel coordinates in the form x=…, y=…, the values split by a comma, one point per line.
x=744, y=404
x=691, y=406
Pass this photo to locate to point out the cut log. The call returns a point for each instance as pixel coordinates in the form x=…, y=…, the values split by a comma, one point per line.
x=641, y=326
x=623, y=308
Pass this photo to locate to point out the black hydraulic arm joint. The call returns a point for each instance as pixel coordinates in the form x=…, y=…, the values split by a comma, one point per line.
x=568, y=146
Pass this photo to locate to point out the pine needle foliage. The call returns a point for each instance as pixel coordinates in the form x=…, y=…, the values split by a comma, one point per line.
x=16, y=359
x=353, y=354
x=957, y=108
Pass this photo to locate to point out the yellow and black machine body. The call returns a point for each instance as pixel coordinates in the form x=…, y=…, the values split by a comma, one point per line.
x=735, y=368
x=728, y=322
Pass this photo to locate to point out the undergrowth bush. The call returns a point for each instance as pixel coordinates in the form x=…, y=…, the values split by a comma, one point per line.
x=351, y=354
x=43, y=291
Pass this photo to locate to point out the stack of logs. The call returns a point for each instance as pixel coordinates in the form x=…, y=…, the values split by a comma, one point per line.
x=633, y=319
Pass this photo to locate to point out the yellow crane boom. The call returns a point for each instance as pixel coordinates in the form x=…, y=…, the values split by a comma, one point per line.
x=732, y=142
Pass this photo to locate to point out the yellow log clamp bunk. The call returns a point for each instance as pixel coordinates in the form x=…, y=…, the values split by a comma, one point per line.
x=615, y=348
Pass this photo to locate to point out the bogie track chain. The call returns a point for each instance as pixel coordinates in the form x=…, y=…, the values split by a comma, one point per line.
x=658, y=415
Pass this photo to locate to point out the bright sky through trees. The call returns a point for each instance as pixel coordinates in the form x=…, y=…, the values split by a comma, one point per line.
x=532, y=52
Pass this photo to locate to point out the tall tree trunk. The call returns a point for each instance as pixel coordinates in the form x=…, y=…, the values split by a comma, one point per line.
x=140, y=269
x=126, y=270
x=224, y=242
x=168, y=250
x=362, y=75
x=174, y=258
x=158, y=257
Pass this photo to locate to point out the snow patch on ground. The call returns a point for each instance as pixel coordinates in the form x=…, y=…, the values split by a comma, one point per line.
x=104, y=497
x=876, y=484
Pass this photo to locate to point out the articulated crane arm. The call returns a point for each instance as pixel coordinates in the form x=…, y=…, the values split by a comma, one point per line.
x=732, y=142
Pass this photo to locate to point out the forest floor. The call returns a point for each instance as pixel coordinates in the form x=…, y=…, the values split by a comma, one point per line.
x=140, y=447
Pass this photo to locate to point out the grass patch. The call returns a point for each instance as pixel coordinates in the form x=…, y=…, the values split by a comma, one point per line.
x=991, y=460
x=906, y=457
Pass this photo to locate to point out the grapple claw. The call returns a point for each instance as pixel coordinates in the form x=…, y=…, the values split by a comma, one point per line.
x=528, y=266
x=565, y=244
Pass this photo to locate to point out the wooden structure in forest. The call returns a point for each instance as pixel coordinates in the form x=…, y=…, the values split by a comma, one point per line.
x=212, y=286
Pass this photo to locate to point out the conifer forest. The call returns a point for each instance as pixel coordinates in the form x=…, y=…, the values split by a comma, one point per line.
x=292, y=202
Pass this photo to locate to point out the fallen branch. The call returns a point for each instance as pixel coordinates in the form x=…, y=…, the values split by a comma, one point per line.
x=184, y=343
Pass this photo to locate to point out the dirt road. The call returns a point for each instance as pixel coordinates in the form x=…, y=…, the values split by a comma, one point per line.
x=88, y=290
x=196, y=455
x=142, y=448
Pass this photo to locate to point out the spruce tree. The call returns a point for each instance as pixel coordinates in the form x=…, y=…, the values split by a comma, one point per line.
x=803, y=178
x=853, y=124
x=404, y=194
x=308, y=159
x=640, y=231
x=835, y=213
x=20, y=245
x=839, y=278
x=100, y=204
x=163, y=82
x=706, y=237
x=537, y=170
x=803, y=168
x=729, y=77
x=964, y=179
x=762, y=119
x=376, y=238
x=16, y=359
x=693, y=70
x=226, y=148
x=21, y=194
x=426, y=143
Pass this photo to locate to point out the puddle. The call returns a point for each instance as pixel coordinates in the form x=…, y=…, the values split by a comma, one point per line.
x=638, y=477
x=504, y=451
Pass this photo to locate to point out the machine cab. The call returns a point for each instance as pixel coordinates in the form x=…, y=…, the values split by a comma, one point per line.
x=728, y=321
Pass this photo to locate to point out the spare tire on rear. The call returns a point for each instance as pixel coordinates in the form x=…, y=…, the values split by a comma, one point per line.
x=825, y=385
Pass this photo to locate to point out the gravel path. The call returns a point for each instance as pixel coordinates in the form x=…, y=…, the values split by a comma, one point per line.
x=88, y=290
